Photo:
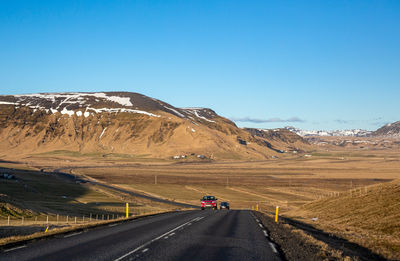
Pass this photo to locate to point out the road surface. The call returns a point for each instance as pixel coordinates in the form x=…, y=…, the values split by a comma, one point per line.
x=187, y=235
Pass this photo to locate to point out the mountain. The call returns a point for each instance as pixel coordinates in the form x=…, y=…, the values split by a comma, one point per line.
x=389, y=130
x=294, y=141
x=123, y=122
x=339, y=133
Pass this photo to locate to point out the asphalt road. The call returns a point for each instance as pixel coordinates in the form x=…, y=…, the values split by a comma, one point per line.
x=188, y=235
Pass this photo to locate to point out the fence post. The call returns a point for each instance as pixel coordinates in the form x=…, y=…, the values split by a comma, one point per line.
x=57, y=219
x=8, y=221
x=75, y=220
x=67, y=219
x=47, y=220
x=83, y=219
x=90, y=217
x=22, y=221
x=276, y=214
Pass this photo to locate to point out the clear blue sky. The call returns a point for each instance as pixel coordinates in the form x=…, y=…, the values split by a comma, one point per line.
x=311, y=64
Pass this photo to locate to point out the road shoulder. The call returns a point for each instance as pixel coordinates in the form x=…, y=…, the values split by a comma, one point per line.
x=301, y=243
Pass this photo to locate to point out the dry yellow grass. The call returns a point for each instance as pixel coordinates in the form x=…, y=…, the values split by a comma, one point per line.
x=369, y=216
x=290, y=182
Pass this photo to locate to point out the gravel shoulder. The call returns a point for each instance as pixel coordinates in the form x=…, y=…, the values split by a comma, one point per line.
x=299, y=241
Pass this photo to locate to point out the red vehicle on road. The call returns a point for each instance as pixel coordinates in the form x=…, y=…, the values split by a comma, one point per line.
x=209, y=202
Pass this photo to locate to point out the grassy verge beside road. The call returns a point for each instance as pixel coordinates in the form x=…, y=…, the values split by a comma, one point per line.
x=301, y=242
x=32, y=200
x=369, y=217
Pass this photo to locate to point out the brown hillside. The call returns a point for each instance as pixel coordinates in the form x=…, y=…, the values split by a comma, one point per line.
x=122, y=123
x=389, y=130
x=369, y=216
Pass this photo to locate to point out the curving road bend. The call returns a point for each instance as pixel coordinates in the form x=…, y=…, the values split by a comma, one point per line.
x=187, y=235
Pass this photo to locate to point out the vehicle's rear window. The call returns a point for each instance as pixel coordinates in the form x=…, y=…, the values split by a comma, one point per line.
x=208, y=198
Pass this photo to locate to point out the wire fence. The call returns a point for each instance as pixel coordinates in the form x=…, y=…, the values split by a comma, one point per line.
x=57, y=219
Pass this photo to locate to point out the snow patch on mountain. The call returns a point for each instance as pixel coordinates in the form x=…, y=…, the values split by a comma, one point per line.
x=115, y=110
x=8, y=103
x=196, y=112
x=75, y=97
x=175, y=111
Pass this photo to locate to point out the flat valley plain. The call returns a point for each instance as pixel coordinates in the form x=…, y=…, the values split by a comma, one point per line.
x=288, y=182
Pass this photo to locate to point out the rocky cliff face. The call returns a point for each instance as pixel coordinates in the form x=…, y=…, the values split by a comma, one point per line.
x=122, y=122
x=389, y=130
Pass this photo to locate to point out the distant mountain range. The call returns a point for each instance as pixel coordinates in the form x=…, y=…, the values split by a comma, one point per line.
x=352, y=133
x=389, y=130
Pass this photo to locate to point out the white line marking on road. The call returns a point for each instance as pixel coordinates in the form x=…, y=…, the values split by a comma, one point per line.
x=200, y=218
x=257, y=220
x=265, y=233
x=173, y=233
x=189, y=224
x=113, y=225
x=260, y=225
x=166, y=237
x=15, y=248
x=273, y=247
x=145, y=250
x=74, y=234
x=151, y=241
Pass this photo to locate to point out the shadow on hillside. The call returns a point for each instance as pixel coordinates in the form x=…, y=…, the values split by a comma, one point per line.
x=348, y=248
x=7, y=161
x=33, y=192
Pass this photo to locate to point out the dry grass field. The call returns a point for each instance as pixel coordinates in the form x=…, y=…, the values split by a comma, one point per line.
x=369, y=216
x=294, y=182
x=33, y=200
x=289, y=181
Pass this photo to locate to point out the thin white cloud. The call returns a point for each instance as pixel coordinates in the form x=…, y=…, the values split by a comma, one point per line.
x=255, y=120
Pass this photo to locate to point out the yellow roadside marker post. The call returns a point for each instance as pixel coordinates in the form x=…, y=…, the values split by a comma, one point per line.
x=46, y=229
x=257, y=207
x=276, y=214
x=127, y=210
x=252, y=207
